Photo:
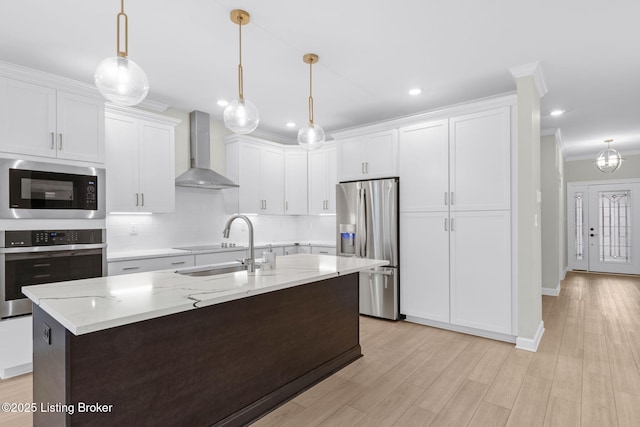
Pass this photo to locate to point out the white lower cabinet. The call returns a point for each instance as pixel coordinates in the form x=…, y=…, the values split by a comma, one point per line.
x=424, y=257
x=323, y=250
x=116, y=268
x=457, y=269
x=481, y=270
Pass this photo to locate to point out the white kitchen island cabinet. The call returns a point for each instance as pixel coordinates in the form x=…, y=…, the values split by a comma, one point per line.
x=455, y=226
x=322, y=180
x=368, y=156
x=140, y=161
x=43, y=121
x=258, y=167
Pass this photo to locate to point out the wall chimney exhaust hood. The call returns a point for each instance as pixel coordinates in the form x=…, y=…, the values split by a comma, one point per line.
x=200, y=174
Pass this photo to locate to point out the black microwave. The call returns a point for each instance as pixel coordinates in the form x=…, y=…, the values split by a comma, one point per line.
x=42, y=190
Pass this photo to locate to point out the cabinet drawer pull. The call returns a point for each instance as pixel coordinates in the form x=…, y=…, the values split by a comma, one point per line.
x=137, y=200
x=142, y=199
x=362, y=167
x=53, y=139
x=446, y=198
x=41, y=265
x=59, y=141
x=177, y=263
x=130, y=268
x=445, y=224
x=324, y=252
x=41, y=276
x=452, y=199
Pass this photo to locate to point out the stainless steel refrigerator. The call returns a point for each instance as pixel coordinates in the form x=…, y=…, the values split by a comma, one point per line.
x=367, y=227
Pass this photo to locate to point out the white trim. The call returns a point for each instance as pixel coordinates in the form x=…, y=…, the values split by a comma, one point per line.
x=463, y=329
x=140, y=114
x=446, y=112
x=594, y=155
x=533, y=69
x=551, y=292
x=531, y=344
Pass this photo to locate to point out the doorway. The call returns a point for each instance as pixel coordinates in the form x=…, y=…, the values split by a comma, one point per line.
x=603, y=225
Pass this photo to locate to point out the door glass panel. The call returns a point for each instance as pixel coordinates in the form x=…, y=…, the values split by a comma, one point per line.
x=615, y=226
x=579, y=225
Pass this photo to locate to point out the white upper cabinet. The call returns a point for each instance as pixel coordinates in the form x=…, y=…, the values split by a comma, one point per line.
x=295, y=182
x=368, y=156
x=480, y=160
x=37, y=120
x=322, y=180
x=423, y=165
x=140, y=157
x=258, y=167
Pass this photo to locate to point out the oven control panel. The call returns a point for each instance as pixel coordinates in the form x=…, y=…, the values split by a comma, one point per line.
x=31, y=238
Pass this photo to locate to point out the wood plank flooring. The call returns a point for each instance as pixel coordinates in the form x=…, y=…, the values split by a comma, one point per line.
x=585, y=373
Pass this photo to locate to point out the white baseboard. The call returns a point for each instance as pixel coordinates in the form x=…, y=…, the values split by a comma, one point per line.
x=564, y=273
x=553, y=292
x=463, y=329
x=531, y=344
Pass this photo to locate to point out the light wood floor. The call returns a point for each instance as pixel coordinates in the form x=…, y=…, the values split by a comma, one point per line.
x=585, y=373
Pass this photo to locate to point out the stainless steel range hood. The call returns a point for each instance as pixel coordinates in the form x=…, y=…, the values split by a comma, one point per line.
x=200, y=174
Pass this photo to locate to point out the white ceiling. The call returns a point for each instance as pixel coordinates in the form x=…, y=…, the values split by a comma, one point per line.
x=371, y=54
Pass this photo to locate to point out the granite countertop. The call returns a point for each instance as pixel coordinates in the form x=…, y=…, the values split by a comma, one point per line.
x=84, y=306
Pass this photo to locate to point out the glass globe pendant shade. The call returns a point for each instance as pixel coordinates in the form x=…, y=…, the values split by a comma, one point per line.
x=121, y=81
x=241, y=116
x=609, y=160
x=311, y=136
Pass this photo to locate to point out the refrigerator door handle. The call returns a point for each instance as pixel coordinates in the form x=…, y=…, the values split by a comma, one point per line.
x=380, y=272
x=361, y=225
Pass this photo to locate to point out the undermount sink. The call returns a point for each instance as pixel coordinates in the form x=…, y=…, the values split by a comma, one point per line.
x=213, y=269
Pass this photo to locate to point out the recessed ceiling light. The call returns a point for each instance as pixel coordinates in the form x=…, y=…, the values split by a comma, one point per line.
x=415, y=91
x=223, y=103
x=291, y=124
x=556, y=113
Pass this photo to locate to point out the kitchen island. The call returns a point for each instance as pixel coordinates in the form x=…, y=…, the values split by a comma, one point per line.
x=162, y=348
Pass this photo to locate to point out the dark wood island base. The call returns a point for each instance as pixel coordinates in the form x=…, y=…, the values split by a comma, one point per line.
x=223, y=365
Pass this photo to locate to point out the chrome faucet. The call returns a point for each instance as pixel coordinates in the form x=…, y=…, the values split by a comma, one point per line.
x=251, y=261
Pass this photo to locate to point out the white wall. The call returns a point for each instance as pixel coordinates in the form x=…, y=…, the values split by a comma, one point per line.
x=586, y=170
x=553, y=214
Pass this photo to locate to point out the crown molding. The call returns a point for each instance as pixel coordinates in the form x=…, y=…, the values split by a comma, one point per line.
x=31, y=75
x=533, y=69
x=140, y=114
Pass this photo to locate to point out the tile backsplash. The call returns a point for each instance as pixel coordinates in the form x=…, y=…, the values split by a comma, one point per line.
x=200, y=217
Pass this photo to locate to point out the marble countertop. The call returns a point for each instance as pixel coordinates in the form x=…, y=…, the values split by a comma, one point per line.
x=89, y=305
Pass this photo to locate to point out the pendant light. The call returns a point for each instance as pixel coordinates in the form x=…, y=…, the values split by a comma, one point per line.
x=311, y=136
x=240, y=115
x=608, y=160
x=118, y=78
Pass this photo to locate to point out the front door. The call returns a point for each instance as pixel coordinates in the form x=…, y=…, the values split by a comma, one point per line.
x=604, y=227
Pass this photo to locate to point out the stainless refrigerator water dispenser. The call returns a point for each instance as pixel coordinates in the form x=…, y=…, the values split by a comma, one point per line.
x=348, y=239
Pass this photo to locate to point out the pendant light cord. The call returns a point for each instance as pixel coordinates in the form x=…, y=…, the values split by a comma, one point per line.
x=122, y=53
x=240, y=74
x=310, y=92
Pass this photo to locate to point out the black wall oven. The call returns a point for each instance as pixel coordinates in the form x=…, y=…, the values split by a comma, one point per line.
x=33, y=257
x=52, y=191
